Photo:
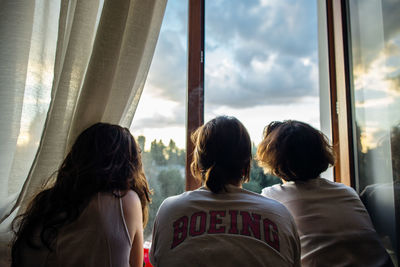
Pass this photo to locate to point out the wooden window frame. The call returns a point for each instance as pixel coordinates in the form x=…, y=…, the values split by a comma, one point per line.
x=339, y=79
x=195, y=83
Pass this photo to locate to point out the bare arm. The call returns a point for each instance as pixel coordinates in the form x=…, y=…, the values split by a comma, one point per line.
x=133, y=216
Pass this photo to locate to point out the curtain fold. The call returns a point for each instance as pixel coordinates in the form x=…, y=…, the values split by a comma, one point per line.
x=21, y=65
x=136, y=57
x=119, y=65
x=72, y=58
x=14, y=56
x=103, y=53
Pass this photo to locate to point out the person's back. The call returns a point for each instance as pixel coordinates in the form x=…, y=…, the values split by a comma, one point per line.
x=333, y=224
x=99, y=237
x=233, y=228
x=93, y=212
x=334, y=227
x=222, y=224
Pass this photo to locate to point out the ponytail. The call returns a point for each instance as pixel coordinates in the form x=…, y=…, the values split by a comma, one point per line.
x=216, y=178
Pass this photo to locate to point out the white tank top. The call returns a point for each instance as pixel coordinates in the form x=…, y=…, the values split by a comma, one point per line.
x=99, y=237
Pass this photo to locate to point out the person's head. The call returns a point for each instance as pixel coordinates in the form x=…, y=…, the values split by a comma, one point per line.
x=293, y=150
x=104, y=158
x=222, y=153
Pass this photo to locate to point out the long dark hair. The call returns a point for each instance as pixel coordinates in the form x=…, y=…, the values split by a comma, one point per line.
x=104, y=158
x=222, y=153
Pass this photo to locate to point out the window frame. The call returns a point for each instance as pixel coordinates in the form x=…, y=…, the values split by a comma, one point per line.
x=339, y=80
x=195, y=83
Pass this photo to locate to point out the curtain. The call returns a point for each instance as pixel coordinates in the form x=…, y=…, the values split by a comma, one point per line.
x=65, y=65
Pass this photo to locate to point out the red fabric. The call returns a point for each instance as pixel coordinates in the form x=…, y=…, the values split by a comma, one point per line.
x=146, y=258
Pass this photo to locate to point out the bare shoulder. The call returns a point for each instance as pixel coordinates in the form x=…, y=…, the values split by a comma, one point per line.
x=130, y=196
x=131, y=203
x=132, y=210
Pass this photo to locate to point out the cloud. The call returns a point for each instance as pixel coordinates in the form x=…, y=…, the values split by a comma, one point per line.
x=257, y=53
x=158, y=120
x=260, y=53
x=285, y=81
x=390, y=11
x=374, y=29
x=168, y=69
x=288, y=27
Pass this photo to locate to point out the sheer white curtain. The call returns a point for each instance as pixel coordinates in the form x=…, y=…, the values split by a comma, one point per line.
x=65, y=64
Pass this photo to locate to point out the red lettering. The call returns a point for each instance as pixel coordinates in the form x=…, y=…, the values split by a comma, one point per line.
x=214, y=220
x=250, y=223
x=180, y=231
x=234, y=229
x=193, y=223
x=271, y=234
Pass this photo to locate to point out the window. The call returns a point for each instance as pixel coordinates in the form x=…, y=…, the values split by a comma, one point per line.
x=261, y=65
x=159, y=122
x=374, y=45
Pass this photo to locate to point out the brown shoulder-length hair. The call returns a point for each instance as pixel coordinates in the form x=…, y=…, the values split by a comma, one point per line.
x=222, y=153
x=104, y=158
x=293, y=150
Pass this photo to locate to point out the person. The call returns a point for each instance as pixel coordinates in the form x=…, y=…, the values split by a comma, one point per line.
x=221, y=224
x=94, y=212
x=333, y=225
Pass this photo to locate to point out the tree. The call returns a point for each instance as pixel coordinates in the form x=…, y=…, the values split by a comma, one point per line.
x=171, y=182
x=259, y=179
x=172, y=152
x=157, y=152
x=141, y=142
x=175, y=155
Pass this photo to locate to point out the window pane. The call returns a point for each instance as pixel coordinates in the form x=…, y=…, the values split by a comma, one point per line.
x=375, y=69
x=159, y=122
x=262, y=65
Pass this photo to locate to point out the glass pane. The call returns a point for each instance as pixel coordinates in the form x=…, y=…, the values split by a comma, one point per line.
x=261, y=65
x=159, y=122
x=374, y=35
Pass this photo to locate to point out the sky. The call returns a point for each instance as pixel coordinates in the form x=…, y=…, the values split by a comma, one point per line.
x=261, y=65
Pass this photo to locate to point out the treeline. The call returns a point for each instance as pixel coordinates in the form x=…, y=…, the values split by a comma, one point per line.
x=161, y=154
